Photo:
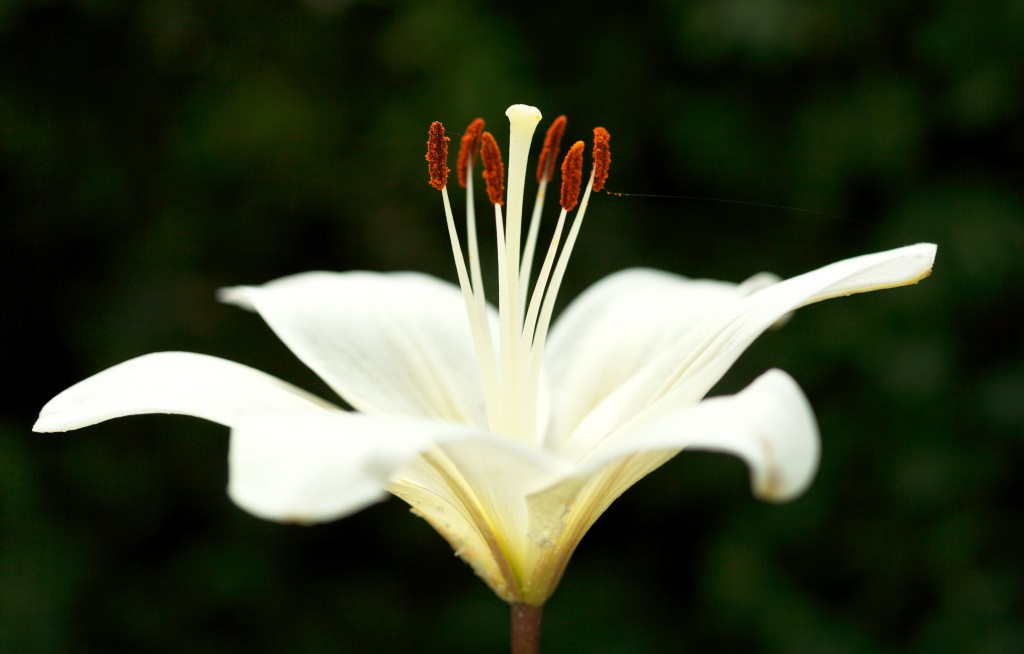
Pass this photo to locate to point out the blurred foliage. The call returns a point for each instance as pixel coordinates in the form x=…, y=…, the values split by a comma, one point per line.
x=153, y=151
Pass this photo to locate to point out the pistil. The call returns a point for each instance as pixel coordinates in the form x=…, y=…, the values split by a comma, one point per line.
x=523, y=122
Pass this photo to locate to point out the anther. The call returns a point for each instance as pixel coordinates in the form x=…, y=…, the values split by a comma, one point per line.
x=437, y=156
x=468, y=148
x=572, y=176
x=602, y=157
x=494, y=170
x=549, y=154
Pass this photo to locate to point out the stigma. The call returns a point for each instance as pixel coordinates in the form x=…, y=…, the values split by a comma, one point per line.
x=510, y=361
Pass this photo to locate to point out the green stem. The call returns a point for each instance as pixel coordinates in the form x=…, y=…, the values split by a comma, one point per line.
x=526, y=628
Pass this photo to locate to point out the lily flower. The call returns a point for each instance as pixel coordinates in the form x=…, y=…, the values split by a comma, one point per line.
x=509, y=433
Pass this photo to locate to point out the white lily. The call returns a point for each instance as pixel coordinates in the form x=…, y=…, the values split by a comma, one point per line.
x=508, y=442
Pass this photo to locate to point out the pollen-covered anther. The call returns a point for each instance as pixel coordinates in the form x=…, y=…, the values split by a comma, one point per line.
x=494, y=170
x=437, y=156
x=572, y=176
x=549, y=154
x=602, y=157
x=468, y=147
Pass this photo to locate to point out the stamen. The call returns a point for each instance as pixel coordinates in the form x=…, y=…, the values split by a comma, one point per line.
x=602, y=160
x=572, y=176
x=437, y=156
x=476, y=310
x=545, y=167
x=552, y=143
x=468, y=148
x=494, y=170
x=602, y=157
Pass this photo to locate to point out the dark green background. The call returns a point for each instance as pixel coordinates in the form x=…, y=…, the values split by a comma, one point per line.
x=154, y=151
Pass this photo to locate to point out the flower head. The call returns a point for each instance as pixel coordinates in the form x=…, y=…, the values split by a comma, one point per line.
x=508, y=432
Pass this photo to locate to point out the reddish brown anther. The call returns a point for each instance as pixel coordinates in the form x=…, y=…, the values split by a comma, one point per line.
x=549, y=155
x=468, y=148
x=437, y=156
x=494, y=170
x=602, y=157
x=572, y=176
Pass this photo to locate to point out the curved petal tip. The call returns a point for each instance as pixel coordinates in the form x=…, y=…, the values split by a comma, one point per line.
x=172, y=382
x=790, y=445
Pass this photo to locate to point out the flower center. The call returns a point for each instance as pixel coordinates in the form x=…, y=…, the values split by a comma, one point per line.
x=510, y=365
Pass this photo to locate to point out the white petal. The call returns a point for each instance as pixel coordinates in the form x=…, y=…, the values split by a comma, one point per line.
x=770, y=425
x=396, y=343
x=315, y=467
x=745, y=321
x=687, y=370
x=619, y=325
x=173, y=382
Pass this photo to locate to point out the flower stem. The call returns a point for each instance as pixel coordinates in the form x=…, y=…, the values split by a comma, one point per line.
x=526, y=628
